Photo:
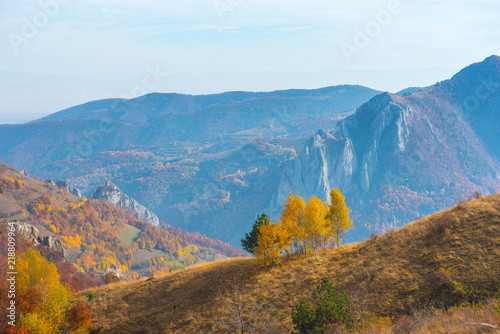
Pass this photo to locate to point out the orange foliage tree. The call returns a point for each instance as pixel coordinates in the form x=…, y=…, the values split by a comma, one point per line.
x=269, y=247
x=79, y=317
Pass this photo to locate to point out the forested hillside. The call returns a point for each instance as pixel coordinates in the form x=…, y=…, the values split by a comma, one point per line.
x=97, y=235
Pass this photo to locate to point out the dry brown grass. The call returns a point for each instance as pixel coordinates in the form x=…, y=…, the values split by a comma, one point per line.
x=443, y=260
x=465, y=319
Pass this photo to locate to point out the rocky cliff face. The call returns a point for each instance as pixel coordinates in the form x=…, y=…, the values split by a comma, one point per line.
x=398, y=157
x=32, y=234
x=358, y=154
x=69, y=188
x=115, y=196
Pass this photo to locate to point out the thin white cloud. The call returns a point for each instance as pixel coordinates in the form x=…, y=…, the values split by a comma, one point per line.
x=295, y=28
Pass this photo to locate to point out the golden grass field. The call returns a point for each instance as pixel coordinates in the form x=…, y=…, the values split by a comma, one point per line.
x=435, y=275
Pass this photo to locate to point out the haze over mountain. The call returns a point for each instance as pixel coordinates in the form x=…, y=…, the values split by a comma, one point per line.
x=164, y=119
x=212, y=163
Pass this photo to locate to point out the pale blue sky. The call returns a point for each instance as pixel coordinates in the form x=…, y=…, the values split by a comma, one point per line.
x=99, y=49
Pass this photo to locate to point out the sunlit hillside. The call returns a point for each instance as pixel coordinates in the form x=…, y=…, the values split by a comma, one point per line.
x=448, y=259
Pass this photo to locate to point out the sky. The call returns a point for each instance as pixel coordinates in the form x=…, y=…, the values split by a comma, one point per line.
x=55, y=54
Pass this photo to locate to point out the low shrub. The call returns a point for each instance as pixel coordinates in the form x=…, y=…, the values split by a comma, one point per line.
x=330, y=309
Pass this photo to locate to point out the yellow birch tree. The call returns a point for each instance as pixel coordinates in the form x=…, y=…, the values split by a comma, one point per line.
x=338, y=216
x=316, y=227
x=292, y=220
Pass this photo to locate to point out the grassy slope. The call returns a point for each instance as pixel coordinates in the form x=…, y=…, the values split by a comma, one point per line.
x=128, y=235
x=442, y=260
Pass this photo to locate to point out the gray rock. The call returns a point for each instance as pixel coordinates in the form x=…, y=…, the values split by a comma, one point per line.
x=113, y=195
x=28, y=231
x=52, y=243
x=25, y=172
x=114, y=270
x=69, y=188
x=52, y=183
x=349, y=157
x=32, y=234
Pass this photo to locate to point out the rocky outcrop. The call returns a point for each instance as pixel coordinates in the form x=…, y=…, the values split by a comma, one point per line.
x=69, y=188
x=50, y=182
x=32, y=234
x=113, y=195
x=315, y=170
x=52, y=243
x=114, y=271
x=28, y=231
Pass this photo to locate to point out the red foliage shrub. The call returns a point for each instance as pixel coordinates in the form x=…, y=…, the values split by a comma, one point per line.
x=15, y=330
x=79, y=316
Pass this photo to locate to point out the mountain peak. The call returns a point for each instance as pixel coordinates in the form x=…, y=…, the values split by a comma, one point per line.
x=370, y=109
x=322, y=133
x=473, y=85
x=472, y=74
x=108, y=184
x=493, y=59
x=383, y=99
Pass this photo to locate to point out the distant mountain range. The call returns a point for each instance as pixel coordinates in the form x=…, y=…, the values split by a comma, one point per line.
x=177, y=154
x=211, y=163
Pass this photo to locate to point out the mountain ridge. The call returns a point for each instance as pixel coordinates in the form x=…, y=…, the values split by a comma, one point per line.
x=173, y=103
